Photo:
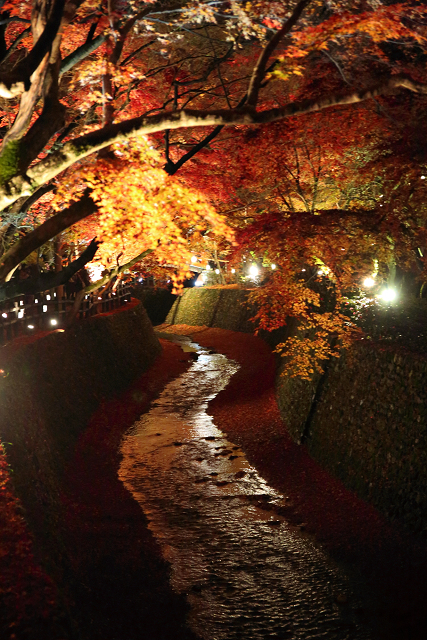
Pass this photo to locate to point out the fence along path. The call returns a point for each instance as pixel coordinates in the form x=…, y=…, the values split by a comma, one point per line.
x=48, y=310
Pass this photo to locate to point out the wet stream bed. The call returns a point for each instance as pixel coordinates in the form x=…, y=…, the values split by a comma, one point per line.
x=246, y=572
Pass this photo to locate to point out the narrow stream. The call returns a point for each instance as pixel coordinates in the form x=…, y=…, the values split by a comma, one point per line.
x=245, y=571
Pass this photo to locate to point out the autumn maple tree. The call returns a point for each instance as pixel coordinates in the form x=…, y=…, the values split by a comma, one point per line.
x=147, y=123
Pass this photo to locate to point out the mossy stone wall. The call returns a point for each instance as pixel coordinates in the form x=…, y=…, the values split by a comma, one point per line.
x=370, y=430
x=222, y=308
x=48, y=390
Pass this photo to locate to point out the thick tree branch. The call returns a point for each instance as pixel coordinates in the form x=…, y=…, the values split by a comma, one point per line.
x=28, y=102
x=82, y=52
x=23, y=204
x=90, y=143
x=52, y=117
x=260, y=67
x=14, y=44
x=46, y=231
x=49, y=280
x=18, y=80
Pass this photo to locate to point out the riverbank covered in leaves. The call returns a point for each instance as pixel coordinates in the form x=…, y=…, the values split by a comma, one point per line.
x=116, y=584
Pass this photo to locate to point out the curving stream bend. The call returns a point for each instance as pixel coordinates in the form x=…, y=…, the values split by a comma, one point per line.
x=246, y=572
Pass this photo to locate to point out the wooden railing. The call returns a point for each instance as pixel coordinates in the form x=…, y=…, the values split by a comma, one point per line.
x=25, y=315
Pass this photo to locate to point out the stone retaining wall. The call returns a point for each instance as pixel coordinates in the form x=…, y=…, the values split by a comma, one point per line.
x=222, y=308
x=369, y=428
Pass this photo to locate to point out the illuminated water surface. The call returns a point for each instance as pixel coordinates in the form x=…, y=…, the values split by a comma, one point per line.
x=245, y=571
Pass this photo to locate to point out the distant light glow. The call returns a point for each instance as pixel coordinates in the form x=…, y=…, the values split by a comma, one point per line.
x=208, y=267
x=368, y=282
x=193, y=259
x=31, y=326
x=217, y=271
x=253, y=271
x=21, y=302
x=199, y=282
x=273, y=266
x=21, y=313
x=48, y=297
x=233, y=271
x=389, y=294
x=53, y=321
x=36, y=301
x=4, y=315
x=423, y=177
x=95, y=271
x=44, y=308
x=320, y=272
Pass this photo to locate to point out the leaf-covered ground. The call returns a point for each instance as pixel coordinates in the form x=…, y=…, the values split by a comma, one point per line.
x=118, y=587
x=28, y=597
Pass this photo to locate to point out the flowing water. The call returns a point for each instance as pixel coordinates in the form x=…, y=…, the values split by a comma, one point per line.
x=246, y=572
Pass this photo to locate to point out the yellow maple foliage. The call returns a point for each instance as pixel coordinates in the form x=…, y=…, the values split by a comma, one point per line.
x=141, y=207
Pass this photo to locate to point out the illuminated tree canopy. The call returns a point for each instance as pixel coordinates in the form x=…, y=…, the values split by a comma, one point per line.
x=292, y=130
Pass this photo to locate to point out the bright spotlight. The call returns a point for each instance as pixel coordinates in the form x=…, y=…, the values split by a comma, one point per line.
x=53, y=321
x=253, y=271
x=368, y=282
x=389, y=294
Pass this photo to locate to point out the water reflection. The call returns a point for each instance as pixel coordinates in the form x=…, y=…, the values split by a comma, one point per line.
x=246, y=572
